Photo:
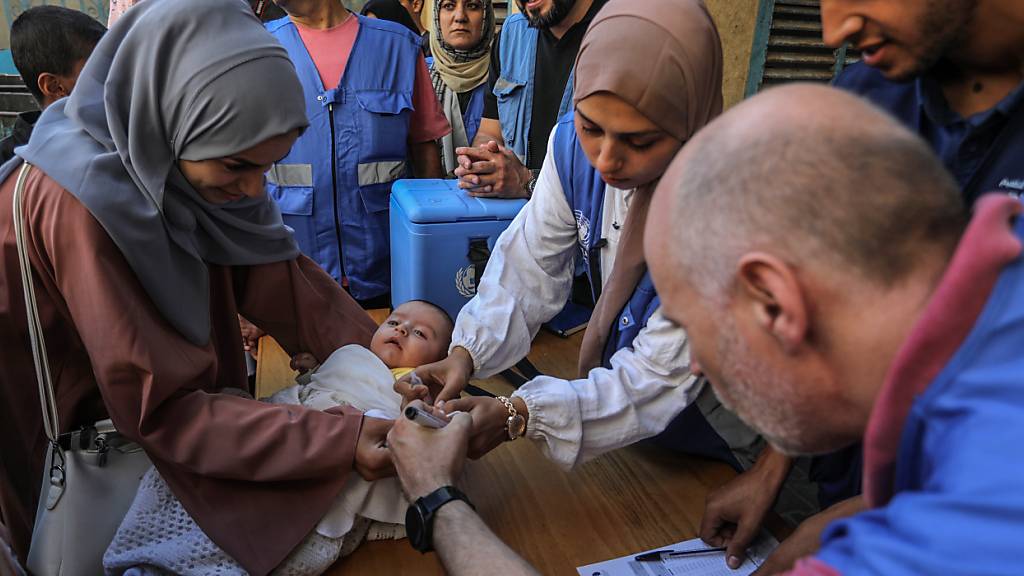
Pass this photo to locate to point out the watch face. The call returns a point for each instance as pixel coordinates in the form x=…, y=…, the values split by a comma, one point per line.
x=516, y=426
x=415, y=527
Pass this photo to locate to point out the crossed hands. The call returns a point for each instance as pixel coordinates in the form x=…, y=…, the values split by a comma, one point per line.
x=492, y=171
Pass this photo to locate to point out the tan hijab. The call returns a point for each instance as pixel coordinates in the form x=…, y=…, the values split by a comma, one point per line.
x=664, y=57
x=461, y=70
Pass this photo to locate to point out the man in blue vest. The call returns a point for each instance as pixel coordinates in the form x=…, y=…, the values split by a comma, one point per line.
x=530, y=88
x=953, y=72
x=372, y=110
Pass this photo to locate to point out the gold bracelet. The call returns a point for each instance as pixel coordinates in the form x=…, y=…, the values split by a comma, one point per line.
x=515, y=425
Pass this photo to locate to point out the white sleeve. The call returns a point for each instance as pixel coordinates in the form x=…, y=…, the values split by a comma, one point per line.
x=646, y=387
x=527, y=280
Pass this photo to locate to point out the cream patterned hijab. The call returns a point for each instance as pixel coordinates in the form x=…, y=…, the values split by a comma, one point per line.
x=459, y=70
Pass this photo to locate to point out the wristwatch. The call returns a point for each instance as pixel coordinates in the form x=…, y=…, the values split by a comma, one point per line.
x=529, y=185
x=515, y=426
x=419, y=518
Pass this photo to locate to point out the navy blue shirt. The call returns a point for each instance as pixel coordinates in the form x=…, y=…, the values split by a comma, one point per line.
x=984, y=152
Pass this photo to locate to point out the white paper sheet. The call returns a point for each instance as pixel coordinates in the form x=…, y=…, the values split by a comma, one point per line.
x=710, y=564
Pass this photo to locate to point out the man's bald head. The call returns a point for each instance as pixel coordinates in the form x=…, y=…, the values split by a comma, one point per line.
x=795, y=238
x=813, y=174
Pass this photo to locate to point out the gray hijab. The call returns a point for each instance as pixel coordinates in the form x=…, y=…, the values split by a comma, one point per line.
x=172, y=80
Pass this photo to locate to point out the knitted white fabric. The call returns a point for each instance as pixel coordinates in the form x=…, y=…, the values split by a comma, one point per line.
x=158, y=537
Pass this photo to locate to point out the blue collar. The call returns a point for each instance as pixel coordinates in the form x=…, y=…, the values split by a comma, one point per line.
x=933, y=103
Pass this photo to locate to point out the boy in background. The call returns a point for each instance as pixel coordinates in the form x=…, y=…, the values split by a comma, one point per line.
x=49, y=45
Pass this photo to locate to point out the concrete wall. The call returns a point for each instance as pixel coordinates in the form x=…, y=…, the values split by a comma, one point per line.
x=735, y=20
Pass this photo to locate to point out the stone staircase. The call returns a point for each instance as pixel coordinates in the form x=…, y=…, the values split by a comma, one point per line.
x=14, y=98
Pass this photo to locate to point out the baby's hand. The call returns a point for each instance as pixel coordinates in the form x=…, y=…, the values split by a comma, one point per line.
x=303, y=362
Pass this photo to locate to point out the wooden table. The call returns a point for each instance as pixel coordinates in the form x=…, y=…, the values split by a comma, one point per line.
x=630, y=500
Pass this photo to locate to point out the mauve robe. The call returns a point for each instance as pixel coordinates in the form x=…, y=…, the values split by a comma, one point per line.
x=256, y=477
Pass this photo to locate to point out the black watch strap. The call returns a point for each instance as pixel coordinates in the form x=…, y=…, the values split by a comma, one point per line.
x=419, y=520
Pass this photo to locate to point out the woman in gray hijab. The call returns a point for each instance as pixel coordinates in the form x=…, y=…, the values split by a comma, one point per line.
x=148, y=231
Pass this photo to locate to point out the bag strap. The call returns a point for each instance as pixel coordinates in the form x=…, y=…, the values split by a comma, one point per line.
x=47, y=399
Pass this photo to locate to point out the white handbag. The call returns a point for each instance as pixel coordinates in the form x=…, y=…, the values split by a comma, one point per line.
x=90, y=476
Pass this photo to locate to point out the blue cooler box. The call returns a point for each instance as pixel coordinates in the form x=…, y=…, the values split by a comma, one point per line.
x=441, y=238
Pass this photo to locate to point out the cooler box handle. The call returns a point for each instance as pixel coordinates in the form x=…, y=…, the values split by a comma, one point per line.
x=478, y=255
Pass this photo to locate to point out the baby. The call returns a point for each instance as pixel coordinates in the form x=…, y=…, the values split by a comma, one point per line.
x=416, y=333
x=157, y=536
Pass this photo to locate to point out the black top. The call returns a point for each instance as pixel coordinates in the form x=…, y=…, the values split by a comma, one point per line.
x=19, y=135
x=464, y=98
x=391, y=10
x=555, y=59
x=425, y=43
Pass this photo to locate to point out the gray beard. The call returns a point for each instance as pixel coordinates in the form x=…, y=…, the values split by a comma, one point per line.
x=762, y=398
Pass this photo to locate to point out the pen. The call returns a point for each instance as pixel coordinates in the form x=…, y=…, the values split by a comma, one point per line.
x=424, y=418
x=658, y=555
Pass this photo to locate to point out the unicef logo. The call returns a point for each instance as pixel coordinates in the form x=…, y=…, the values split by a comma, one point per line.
x=583, y=231
x=465, y=281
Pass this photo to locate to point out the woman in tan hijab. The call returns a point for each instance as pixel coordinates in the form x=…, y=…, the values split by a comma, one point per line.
x=461, y=34
x=648, y=76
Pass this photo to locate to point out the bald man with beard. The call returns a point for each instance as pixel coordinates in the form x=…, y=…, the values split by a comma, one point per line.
x=818, y=257
x=952, y=71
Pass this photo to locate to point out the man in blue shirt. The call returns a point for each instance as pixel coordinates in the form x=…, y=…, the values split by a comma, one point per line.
x=883, y=317
x=953, y=72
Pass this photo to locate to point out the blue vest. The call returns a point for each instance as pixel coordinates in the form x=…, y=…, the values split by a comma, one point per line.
x=514, y=88
x=333, y=187
x=992, y=161
x=474, y=112
x=958, y=503
x=584, y=190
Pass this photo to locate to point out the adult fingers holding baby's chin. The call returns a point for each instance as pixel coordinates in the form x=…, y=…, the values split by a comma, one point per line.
x=409, y=391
